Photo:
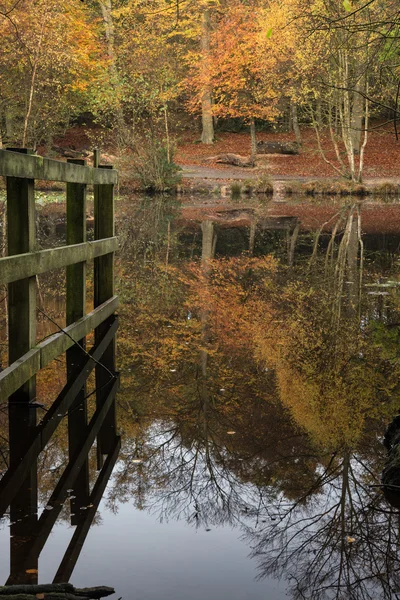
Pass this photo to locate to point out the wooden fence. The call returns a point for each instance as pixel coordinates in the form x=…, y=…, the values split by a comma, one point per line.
x=19, y=270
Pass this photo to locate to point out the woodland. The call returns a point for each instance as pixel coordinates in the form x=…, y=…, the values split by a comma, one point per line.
x=137, y=75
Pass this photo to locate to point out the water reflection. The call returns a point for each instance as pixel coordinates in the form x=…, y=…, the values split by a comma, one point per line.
x=259, y=355
x=271, y=388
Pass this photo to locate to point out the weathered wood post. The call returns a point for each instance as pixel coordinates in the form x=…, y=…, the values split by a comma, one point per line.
x=76, y=309
x=18, y=270
x=21, y=238
x=103, y=290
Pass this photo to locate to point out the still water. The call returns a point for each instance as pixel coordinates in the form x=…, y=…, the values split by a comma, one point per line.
x=259, y=357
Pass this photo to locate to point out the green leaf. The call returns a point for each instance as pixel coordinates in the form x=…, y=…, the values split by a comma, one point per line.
x=269, y=32
x=347, y=5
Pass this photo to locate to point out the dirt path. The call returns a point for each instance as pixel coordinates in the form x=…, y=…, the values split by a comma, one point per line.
x=200, y=173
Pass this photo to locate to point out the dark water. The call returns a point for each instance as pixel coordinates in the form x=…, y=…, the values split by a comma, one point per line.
x=260, y=366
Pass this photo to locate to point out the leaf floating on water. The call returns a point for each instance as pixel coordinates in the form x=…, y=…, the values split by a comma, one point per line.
x=231, y=432
x=350, y=540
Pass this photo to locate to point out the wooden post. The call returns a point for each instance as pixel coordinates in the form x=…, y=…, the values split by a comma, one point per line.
x=75, y=309
x=21, y=238
x=103, y=290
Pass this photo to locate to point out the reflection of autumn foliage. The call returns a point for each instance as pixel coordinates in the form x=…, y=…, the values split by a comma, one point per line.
x=332, y=383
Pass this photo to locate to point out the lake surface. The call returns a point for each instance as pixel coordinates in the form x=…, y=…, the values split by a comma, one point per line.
x=259, y=356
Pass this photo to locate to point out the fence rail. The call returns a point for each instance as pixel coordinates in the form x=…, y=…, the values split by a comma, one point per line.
x=19, y=270
x=30, y=166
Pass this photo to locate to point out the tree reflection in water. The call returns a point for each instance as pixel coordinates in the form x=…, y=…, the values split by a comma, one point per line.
x=260, y=402
x=255, y=394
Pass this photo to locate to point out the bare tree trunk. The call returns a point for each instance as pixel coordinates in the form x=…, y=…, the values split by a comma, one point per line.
x=167, y=134
x=362, y=151
x=207, y=134
x=318, y=111
x=295, y=122
x=292, y=246
x=9, y=123
x=109, y=30
x=208, y=242
x=253, y=138
x=352, y=267
x=346, y=111
x=357, y=117
x=252, y=237
x=33, y=82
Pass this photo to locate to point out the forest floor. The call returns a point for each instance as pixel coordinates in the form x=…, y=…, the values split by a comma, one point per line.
x=382, y=157
x=381, y=162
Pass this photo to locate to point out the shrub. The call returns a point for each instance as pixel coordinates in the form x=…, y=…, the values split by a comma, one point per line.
x=387, y=189
x=152, y=165
x=264, y=185
x=236, y=191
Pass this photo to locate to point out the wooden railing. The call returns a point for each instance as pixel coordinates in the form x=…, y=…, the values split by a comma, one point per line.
x=19, y=270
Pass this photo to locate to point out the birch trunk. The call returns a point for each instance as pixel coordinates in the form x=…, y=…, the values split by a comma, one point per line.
x=357, y=118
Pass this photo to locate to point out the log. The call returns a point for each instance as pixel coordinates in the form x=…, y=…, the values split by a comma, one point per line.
x=42, y=596
x=69, y=152
x=100, y=591
x=232, y=159
x=278, y=148
x=53, y=591
x=35, y=589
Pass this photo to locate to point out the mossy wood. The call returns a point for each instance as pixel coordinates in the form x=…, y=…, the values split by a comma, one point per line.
x=60, y=494
x=103, y=290
x=13, y=268
x=39, y=357
x=19, y=270
x=13, y=478
x=13, y=164
x=75, y=309
x=24, y=262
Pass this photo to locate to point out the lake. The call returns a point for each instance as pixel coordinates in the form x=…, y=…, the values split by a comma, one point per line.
x=258, y=347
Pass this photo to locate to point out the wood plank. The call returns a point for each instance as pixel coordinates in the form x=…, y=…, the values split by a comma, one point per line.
x=13, y=478
x=60, y=342
x=13, y=164
x=21, y=370
x=76, y=309
x=104, y=289
x=66, y=481
x=21, y=238
x=75, y=546
x=13, y=268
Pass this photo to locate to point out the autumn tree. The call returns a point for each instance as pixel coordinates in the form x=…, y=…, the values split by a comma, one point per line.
x=244, y=82
x=337, y=57
x=48, y=67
